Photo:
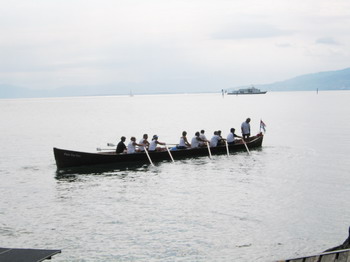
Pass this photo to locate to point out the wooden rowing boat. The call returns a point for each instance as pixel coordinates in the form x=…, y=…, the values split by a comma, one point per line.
x=69, y=159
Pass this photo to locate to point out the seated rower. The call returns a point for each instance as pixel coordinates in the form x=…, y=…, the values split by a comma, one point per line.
x=196, y=140
x=144, y=143
x=183, y=141
x=204, y=139
x=216, y=139
x=121, y=148
x=222, y=140
x=154, y=143
x=232, y=136
x=132, y=145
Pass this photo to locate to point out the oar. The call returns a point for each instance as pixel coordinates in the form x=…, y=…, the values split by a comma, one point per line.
x=169, y=153
x=111, y=144
x=102, y=149
x=149, y=158
x=228, y=154
x=209, y=150
x=245, y=144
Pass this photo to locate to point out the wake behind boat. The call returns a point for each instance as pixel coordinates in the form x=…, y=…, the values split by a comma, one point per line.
x=247, y=91
x=70, y=159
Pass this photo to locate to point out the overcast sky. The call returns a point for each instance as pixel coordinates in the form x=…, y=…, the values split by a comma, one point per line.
x=199, y=44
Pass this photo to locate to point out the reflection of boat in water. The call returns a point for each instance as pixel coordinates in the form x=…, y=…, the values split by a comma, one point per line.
x=247, y=91
x=68, y=159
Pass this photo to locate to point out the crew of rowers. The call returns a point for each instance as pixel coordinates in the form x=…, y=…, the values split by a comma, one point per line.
x=199, y=140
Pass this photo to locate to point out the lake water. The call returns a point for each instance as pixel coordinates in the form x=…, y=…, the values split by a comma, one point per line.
x=287, y=199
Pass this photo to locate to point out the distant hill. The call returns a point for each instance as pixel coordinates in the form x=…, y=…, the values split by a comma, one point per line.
x=10, y=91
x=330, y=80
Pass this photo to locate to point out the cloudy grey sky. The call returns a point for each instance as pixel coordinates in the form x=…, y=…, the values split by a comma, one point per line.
x=200, y=45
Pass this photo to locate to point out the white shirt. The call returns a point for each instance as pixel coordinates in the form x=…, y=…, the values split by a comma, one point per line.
x=215, y=140
x=182, y=142
x=202, y=136
x=142, y=148
x=131, y=148
x=194, y=142
x=152, y=145
x=230, y=138
x=245, y=128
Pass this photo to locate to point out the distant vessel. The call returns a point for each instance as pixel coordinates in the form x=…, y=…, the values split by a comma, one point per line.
x=247, y=91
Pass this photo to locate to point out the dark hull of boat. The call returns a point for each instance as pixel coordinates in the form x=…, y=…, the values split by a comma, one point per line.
x=69, y=159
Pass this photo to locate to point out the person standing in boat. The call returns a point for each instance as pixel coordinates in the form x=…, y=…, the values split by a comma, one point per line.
x=203, y=138
x=154, y=143
x=196, y=140
x=216, y=139
x=121, y=146
x=132, y=145
x=245, y=127
x=183, y=141
x=144, y=143
x=232, y=136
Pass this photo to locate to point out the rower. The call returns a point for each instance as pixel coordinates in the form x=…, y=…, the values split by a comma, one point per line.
x=204, y=139
x=232, y=136
x=221, y=141
x=121, y=148
x=144, y=143
x=183, y=141
x=196, y=140
x=154, y=143
x=214, y=141
x=132, y=145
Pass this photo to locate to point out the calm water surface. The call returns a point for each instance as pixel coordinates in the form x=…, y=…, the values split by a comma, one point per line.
x=289, y=198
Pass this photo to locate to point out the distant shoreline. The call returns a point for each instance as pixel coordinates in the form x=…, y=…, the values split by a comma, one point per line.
x=322, y=81
x=160, y=94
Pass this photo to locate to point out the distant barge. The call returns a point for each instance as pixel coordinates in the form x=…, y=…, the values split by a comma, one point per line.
x=247, y=91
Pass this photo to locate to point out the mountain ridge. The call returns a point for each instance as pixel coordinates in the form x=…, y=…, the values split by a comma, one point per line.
x=327, y=80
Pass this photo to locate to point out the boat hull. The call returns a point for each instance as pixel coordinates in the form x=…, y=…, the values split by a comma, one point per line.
x=69, y=159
